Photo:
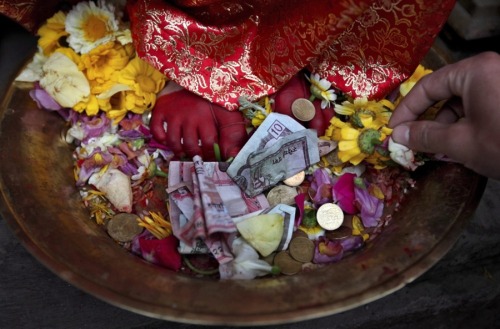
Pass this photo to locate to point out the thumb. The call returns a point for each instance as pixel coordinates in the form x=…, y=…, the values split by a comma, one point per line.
x=453, y=140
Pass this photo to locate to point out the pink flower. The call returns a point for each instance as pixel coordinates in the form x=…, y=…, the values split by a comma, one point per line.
x=371, y=207
x=343, y=193
x=160, y=252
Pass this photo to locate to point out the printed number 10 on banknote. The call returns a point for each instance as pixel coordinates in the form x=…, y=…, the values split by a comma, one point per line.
x=278, y=149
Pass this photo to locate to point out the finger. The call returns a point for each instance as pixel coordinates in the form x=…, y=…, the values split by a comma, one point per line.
x=439, y=85
x=173, y=138
x=209, y=137
x=451, y=111
x=454, y=140
x=191, y=144
x=232, y=131
x=158, y=121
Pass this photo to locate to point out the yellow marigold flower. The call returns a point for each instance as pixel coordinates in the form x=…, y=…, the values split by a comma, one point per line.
x=90, y=106
x=419, y=73
x=51, y=32
x=145, y=82
x=366, y=114
x=71, y=54
x=101, y=62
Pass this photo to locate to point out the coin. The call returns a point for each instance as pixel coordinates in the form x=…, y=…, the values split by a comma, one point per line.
x=287, y=264
x=296, y=179
x=281, y=194
x=303, y=109
x=333, y=158
x=123, y=227
x=340, y=233
x=298, y=233
x=301, y=249
x=330, y=216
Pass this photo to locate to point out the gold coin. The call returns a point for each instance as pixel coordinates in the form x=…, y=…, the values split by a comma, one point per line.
x=287, y=264
x=340, y=233
x=301, y=249
x=329, y=216
x=123, y=227
x=303, y=109
x=281, y=194
x=296, y=179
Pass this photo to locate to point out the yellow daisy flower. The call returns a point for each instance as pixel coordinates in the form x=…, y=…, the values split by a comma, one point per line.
x=419, y=73
x=51, y=32
x=355, y=145
x=90, y=25
x=366, y=114
x=145, y=82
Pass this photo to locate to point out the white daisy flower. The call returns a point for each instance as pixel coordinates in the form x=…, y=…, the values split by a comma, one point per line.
x=90, y=25
x=320, y=88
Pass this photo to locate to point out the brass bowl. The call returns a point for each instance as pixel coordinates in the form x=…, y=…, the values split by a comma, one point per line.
x=42, y=206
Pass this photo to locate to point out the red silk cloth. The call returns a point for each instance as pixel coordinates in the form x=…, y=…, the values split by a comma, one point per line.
x=224, y=49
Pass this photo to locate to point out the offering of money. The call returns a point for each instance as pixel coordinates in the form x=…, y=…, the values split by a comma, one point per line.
x=279, y=148
x=222, y=198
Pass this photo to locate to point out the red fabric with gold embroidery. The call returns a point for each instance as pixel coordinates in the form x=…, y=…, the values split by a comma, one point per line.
x=223, y=49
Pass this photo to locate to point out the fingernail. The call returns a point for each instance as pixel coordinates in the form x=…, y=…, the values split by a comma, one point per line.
x=401, y=134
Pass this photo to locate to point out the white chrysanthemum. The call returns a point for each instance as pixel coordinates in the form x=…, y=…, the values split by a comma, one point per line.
x=90, y=25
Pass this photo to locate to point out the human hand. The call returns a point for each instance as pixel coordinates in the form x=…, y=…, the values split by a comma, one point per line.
x=194, y=125
x=467, y=128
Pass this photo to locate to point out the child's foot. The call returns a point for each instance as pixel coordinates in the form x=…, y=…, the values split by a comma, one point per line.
x=298, y=87
x=191, y=125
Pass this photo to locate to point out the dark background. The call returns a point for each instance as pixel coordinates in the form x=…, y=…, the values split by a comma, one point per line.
x=461, y=291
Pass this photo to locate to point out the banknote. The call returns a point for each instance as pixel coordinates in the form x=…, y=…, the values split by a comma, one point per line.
x=188, y=220
x=267, y=167
x=251, y=175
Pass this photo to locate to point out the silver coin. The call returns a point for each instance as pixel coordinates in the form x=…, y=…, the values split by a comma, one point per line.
x=329, y=216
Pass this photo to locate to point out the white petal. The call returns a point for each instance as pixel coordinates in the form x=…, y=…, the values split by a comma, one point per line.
x=64, y=81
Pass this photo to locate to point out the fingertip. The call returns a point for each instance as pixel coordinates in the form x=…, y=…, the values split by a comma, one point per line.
x=401, y=134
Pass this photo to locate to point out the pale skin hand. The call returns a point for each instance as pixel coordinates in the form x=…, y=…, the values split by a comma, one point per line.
x=467, y=129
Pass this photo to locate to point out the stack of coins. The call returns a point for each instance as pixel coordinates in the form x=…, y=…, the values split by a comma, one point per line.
x=300, y=252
